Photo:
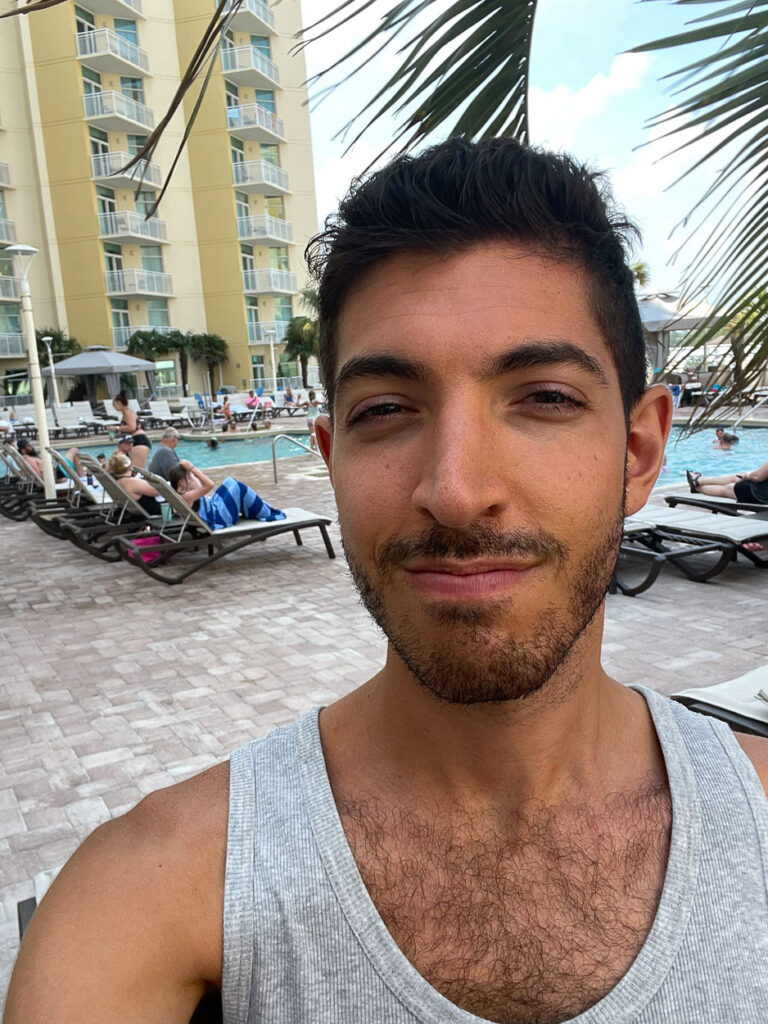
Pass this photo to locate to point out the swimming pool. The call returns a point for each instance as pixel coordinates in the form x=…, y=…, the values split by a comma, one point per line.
x=696, y=453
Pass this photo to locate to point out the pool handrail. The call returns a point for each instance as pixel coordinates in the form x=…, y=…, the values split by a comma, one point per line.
x=299, y=444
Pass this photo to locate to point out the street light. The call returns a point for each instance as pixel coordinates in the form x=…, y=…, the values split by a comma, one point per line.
x=54, y=383
x=271, y=336
x=24, y=255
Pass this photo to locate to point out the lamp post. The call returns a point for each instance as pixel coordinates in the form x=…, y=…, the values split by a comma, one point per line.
x=271, y=339
x=24, y=255
x=54, y=383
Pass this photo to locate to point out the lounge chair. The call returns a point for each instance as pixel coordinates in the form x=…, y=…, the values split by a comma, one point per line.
x=85, y=411
x=748, y=533
x=83, y=504
x=187, y=532
x=69, y=421
x=723, y=506
x=161, y=413
x=741, y=702
x=28, y=492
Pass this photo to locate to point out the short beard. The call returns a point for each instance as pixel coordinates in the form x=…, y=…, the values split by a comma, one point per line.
x=476, y=663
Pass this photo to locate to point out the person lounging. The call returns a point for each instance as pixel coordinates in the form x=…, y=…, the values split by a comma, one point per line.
x=142, y=492
x=751, y=488
x=224, y=505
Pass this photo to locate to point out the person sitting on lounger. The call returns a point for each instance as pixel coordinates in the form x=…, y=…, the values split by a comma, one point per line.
x=142, y=492
x=29, y=453
x=224, y=505
x=751, y=488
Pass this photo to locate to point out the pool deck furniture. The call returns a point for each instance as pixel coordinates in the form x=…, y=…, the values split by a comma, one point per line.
x=741, y=702
x=723, y=506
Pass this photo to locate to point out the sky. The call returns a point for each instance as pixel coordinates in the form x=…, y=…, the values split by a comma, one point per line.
x=588, y=97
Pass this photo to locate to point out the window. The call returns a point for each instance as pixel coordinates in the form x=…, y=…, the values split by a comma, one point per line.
x=266, y=98
x=165, y=372
x=10, y=318
x=233, y=95
x=135, y=143
x=229, y=39
x=145, y=201
x=251, y=309
x=120, y=317
x=106, y=199
x=91, y=81
x=6, y=265
x=152, y=258
x=16, y=381
x=84, y=20
x=282, y=306
x=278, y=257
x=261, y=43
x=275, y=206
x=270, y=153
x=257, y=368
x=3, y=210
x=242, y=208
x=157, y=313
x=133, y=88
x=99, y=141
x=113, y=257
x=246, y=255
x=126, y=29
x=238, y=151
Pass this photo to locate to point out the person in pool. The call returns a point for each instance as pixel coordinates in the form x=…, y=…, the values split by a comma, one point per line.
x=723, y=440
x=220, y=506
x=751, y=487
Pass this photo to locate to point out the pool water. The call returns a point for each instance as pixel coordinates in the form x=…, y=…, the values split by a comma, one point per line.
x=696, y=453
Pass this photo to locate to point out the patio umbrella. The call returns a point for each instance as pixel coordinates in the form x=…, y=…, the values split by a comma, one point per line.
x=661, y=312
x=100, y=361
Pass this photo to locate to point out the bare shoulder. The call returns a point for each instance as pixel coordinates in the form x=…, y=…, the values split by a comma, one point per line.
x=135, y=916
x=756, y=749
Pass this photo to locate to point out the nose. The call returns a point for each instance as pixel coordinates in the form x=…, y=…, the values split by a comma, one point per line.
x=462, y=475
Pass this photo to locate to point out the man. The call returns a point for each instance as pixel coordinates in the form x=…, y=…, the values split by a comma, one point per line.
x=165, y=457
x=491, y=828
x=29, y=453
x=125, y=446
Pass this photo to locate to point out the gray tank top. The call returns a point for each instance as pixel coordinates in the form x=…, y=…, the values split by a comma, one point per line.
x=304, y=944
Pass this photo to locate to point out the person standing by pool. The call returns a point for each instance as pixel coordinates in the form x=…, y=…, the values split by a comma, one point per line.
x=751, y=488
x=131, y=425
x=313, y=411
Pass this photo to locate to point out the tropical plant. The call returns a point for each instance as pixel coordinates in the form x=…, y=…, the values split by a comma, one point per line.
x=210, y=349
x=150, y=344
x=641, y=273
x=309, y=299
x=301, y=343
x=61, y=344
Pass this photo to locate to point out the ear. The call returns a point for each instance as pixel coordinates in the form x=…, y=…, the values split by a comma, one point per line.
x=324, y=435
x=649, y=426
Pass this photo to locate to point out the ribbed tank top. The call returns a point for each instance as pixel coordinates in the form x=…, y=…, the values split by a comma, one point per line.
x=304, y=943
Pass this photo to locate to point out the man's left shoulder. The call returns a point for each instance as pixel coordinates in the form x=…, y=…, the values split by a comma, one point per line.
x=756, y=749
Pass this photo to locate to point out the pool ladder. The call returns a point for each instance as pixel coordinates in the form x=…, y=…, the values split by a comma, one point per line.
x=299, y=444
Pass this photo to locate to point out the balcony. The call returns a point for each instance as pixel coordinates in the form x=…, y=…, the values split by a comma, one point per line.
x=10, y=288
x=109, y=167
x=264, y=229
x=122, y=335
x=117, y=8
x=106, y=51
x=260, y=176
x=114, y=112
x=5, y=176
x=7, y=232
x=11, y=345
x=247, y=65
x=254, y=16
x=269, y=282
x=138, y=282
x=129, y=226
x=255, y=123
x=258, y=334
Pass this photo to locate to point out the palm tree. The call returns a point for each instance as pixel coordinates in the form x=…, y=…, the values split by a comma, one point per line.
x=61, y=344
x=210, y=349
x=150, y=344
x=641, y=273
x=301, y=342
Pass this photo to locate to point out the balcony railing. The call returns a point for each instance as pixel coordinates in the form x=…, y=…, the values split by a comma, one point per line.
x=250, y=10
x=264, y=228
x=248, y=64
x=260, y=176
x=129, y=224
x=110, y=165
x=10, y=287
x=12, y=345
x=138, y=282
x=109, y=51
x=5, y=175
x=270, y=282
x=122, y=335
x=114, y=110
x=7, y=232
x=253, y=121
x=259, y=334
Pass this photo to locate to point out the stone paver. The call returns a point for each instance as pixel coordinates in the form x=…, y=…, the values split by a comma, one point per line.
x=112, y=685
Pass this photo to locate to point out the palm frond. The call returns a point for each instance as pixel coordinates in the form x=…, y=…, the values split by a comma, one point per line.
x=464, y=73
x=720, y=100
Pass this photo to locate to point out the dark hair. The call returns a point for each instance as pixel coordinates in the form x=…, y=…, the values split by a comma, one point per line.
x=460, y=194
x=121, y=397
x=177, y=472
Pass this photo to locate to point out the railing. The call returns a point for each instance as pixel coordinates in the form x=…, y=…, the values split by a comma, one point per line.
x=5, y=174
x=266, y=281
x=249, y=58
x=103, y=41
x=258, y=334
x=258, y=172
x=104, y=165
x=10, y=287
x=122, y=335
x=111, y=103
x=7, y=230
x=265, y=226
x=299, y=444
x=749, y=412
x=12, y=345
x=128, y=222
x=253, y=115
x=259, y=9
x=139, y=282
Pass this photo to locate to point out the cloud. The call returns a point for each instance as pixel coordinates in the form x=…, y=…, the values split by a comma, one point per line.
x=557, y=114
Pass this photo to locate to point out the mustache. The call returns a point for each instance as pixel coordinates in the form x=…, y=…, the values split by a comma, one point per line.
x=479, y=541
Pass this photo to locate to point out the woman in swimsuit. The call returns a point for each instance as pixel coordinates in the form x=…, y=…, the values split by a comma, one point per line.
x=130, y=424
x=220, y=506
x=142, y=492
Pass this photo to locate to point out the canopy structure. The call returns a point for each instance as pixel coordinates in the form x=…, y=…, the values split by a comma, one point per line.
x=100, y=361
x=661, y=314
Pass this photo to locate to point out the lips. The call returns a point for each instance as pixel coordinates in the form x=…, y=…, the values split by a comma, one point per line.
x=463, y=581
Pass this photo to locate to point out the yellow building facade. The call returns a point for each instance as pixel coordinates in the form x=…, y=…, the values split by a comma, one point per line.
x=81, y=87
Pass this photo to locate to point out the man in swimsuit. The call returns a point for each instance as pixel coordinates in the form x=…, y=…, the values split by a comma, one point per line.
x=484, y=831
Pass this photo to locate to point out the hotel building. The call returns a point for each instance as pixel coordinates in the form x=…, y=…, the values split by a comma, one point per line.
x=81, y=87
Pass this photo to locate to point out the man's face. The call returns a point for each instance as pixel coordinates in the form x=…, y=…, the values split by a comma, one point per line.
x=478, y=457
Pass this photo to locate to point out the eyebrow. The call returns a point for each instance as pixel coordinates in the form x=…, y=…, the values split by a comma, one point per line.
x=383, y=365
x=546, y=353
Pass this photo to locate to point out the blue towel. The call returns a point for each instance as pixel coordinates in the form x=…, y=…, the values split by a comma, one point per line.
x=233, y=500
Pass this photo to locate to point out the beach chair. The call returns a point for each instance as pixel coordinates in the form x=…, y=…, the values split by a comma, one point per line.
x=84, y=503
x=29, y=491
x=741, y=702
x=69, y=422
x=188, y=533
x=723, y=506
x=161, y=413
x=85, y=411
x=748, y=533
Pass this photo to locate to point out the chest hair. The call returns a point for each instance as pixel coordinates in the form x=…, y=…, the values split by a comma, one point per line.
x=529, y=920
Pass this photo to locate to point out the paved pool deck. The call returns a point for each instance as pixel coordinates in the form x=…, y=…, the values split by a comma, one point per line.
x=113, y=685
